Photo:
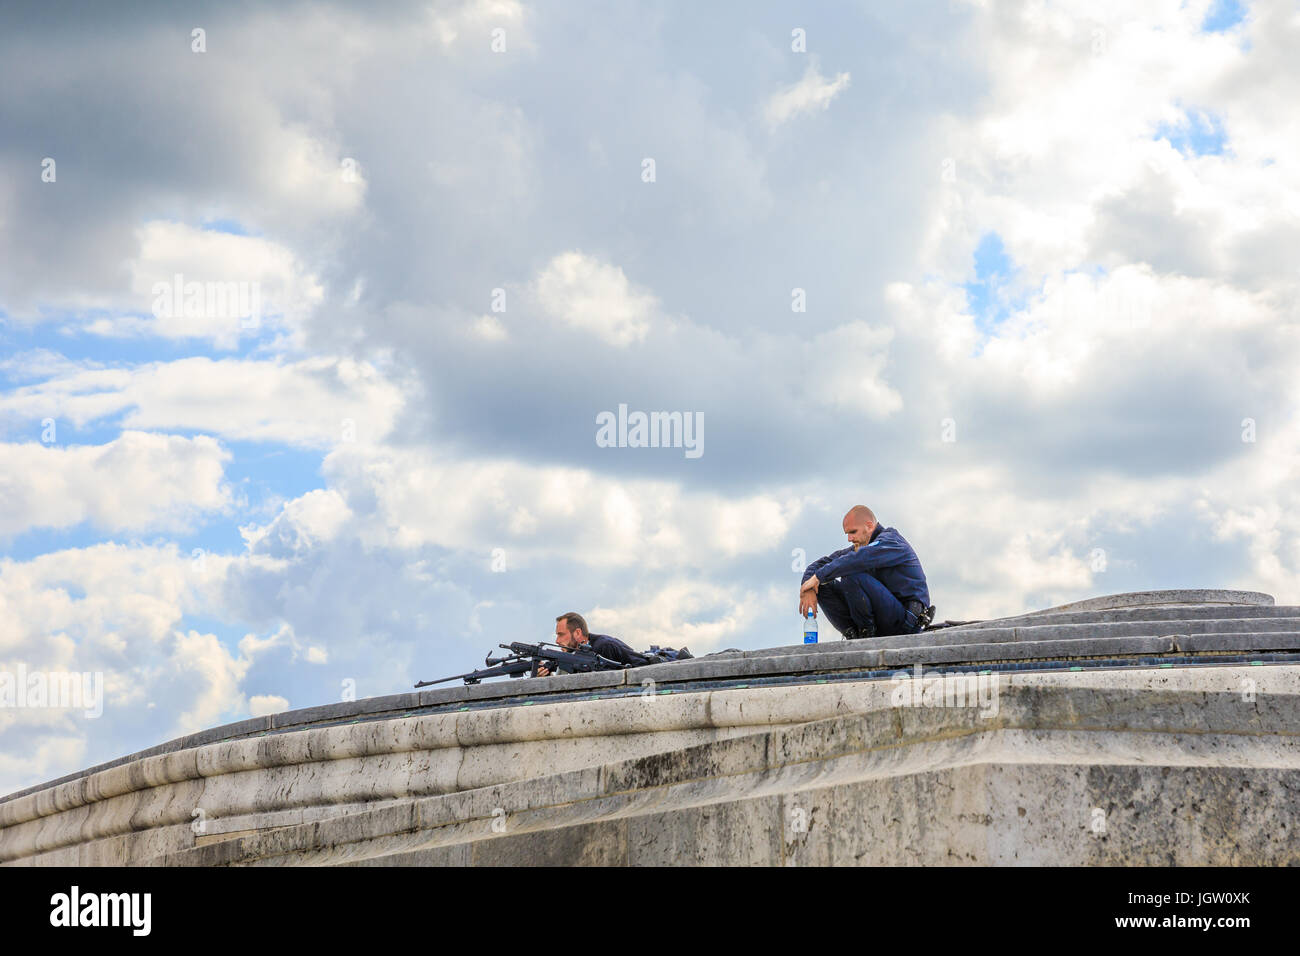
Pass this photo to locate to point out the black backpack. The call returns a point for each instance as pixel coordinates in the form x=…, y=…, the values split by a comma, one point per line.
x=665, y=655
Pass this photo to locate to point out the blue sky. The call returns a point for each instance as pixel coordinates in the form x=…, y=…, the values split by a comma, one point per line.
x=1197, y=133
x=992, y=295
x=1017, y=281
x=1223, y=15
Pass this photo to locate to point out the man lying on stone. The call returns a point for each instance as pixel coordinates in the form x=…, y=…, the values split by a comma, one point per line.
x=873, y=588
x=571, y=631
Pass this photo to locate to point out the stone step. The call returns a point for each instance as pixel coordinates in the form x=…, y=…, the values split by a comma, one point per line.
x=1164, y=597
x=1209, y=643
x=1165, y=613
x=1045, y=632
x=862, y=655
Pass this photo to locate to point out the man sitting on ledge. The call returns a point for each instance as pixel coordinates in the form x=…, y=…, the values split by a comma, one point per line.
x=873, y=588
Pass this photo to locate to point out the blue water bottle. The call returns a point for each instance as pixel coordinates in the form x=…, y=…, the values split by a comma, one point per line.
x=810, y=628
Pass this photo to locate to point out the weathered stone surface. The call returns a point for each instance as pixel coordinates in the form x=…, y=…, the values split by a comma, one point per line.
x=1027, y=650
x=1030, y=787
x=693, y=763
x=1112, y=602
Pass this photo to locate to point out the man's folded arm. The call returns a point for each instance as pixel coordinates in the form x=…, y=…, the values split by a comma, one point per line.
x=821, y=563
x=881, y=554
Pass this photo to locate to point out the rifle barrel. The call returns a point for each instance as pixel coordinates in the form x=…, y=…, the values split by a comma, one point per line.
x=442, y=680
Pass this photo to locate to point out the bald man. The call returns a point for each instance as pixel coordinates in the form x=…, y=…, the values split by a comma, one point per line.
x=873, y=588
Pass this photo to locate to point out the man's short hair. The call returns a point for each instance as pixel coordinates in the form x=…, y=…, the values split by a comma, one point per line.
x=575, y=620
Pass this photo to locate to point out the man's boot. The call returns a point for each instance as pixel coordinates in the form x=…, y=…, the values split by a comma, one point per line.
x=867, y=631
x=924, y=615
x=850, y=633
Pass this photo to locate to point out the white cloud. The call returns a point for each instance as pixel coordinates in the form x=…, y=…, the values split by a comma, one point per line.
x=304, y=404
x=40, y=363
x=699, y=615
x=47, y=753
x=259, y=705
x=813, y=92
x=413, y=498
x=302, y=524
x=1084, y=329
x=137, y=481
x=1061, y=158
x=1257, y=501
x=112, y=610
x=231, y=287
x=118, y=610
x=203, y=667
x=489, y=327
x=107, y=603
x=242, y=283
x=587, y=294
x=850, y=364
x=461, y=25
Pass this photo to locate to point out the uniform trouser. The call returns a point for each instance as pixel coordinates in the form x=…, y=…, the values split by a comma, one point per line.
x=859, y=600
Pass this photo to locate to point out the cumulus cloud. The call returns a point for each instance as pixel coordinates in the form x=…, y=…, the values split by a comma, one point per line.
x=192, y=283
x=136, y=482
x=232, y=133
x=119, y=611
x=698, y=615
x=1071, y=134
x=201, y=283
x=408, y=498
x=308, y=403
x=112, y=610
x=302, y=524
x=595, y=297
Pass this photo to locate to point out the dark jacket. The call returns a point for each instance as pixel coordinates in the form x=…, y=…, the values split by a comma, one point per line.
x=888, y=557
x=615, y=650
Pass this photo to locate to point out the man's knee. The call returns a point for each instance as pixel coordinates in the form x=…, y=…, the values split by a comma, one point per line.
x=832, y=603
x=878, y=609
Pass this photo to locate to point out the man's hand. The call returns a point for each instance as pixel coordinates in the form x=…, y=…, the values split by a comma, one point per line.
x=542, y=671
x=808, y=596
x=807, y=602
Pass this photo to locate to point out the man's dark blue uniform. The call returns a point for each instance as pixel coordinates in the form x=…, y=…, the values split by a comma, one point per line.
x=875, y=585
x=615, y=650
